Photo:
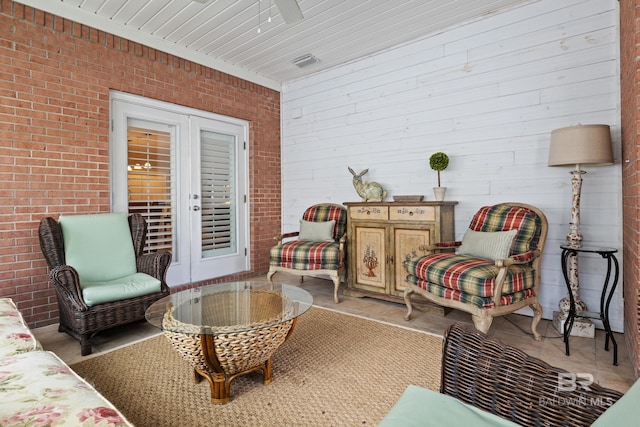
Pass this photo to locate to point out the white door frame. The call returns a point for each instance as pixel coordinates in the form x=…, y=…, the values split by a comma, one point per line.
x=125, y=105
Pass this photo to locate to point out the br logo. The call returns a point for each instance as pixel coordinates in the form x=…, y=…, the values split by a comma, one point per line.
x=568, y=381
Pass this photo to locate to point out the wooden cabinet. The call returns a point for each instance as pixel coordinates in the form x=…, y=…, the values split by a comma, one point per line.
x=382, y=235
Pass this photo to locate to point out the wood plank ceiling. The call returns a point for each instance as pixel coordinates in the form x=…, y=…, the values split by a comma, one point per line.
x=223, y=34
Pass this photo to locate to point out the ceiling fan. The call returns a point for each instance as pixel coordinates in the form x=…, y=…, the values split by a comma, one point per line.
x=289, y=9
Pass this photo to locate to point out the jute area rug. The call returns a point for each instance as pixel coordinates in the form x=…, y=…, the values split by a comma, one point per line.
x=335, y=370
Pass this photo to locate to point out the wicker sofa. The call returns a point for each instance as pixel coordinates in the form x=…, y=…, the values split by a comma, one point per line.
x=39, y=389
x=487, y=383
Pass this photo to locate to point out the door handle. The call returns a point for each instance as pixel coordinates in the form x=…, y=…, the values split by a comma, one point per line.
x=196, y=208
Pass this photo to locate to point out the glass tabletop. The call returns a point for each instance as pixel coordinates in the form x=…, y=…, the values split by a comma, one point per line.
x=229, y=307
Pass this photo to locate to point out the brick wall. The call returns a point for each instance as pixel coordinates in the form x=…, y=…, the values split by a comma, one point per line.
x=630, y=89
x=55, y=77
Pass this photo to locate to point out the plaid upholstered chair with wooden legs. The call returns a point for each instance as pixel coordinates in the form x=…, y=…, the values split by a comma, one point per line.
x=495, y=269
x=319, y=247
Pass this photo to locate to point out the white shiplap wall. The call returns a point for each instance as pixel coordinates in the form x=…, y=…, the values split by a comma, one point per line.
x=488, y=93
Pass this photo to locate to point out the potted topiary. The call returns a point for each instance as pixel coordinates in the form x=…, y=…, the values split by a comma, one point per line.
x=439, y=162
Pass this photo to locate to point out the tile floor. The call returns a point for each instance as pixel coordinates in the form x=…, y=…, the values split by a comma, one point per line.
x=587, y=354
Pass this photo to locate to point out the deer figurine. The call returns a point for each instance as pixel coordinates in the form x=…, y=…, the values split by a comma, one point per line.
x=369, y=191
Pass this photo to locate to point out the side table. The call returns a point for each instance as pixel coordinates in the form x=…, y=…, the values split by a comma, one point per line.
x=605, y=298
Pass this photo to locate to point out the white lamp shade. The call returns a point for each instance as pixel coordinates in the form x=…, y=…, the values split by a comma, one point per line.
x=581, y=145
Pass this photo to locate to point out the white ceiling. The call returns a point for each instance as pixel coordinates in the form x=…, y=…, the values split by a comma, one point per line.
x=223, y=34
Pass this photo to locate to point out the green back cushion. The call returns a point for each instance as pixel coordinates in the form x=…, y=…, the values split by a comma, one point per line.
x=98, y=246
x=503, y=217
x=327, y=212
x=490, y=245
x=317, y=231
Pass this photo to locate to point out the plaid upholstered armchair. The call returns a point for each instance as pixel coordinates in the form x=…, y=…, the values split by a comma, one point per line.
x=319, y=247
x=495, y=269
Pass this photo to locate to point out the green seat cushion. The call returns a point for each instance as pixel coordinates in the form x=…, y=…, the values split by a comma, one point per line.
x=131, y=286
x=98, y=246
x=624, y=412
x=419, y=407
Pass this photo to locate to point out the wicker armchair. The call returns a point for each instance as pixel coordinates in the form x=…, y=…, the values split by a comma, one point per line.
x=495, y=271
x=318, y=249
x=505, y=381
x=487, y=383
x=82, y=319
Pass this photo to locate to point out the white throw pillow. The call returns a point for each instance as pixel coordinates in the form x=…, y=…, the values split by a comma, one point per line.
x=317, y=231
x=490, y=245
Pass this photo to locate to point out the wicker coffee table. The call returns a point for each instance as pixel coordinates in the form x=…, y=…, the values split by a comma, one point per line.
x=231, y=329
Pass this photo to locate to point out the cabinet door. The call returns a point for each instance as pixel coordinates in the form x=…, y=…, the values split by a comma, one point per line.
x=406, y=242
x=370, y=258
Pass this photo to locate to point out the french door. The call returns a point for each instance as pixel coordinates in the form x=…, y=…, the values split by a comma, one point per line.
x=185, y=171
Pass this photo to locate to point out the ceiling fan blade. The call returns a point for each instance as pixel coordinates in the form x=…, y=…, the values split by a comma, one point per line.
x=290, y=10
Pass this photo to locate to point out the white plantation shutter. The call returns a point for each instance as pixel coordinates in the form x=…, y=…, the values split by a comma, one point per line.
x=218, y=189
x=150, y=183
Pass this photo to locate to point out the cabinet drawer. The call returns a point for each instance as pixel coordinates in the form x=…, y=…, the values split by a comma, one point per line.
x=369, y=212
x=412, y=213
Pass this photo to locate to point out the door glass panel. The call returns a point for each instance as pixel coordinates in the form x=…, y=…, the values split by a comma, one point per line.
x=218, y=190
x=150, y=185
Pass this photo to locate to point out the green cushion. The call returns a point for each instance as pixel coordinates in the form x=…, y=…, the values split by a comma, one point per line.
x=317, y=231
x=502, y=217
x=328, y=212
x=419, y=407
x=488, y=245
x=98, y=246
x=131, y=286
x=624, y=412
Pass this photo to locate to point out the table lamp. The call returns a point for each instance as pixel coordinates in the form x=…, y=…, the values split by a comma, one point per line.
x=577, y=146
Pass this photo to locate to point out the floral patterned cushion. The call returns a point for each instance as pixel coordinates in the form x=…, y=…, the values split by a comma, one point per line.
x=15, y=336
x=37, y=389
